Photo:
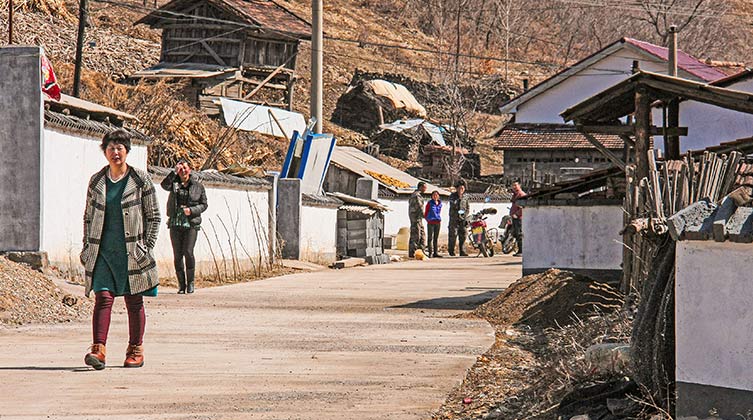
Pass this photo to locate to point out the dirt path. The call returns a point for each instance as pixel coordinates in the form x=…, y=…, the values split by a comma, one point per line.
x=364, y=343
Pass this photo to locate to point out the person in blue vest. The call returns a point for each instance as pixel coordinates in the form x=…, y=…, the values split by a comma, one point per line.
x=433, y=216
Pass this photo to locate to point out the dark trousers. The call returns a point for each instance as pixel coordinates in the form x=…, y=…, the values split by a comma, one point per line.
x=517, y=233
x=417, y=238
x=432, y=238
x=457, y=232
x=103, y=311
x=183, y=241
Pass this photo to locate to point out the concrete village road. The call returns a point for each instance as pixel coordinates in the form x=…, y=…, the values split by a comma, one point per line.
x=365, y=343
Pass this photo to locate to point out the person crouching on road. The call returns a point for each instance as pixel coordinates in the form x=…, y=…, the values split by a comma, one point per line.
x=186, y=202
x=121, y=222
x=460, y=209
x=416, y=216
x=433, y=216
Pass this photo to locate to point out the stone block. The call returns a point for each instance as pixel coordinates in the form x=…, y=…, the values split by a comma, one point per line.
x=36, y=260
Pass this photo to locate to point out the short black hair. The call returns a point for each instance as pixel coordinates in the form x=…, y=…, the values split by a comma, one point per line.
x=183, y=161
x=420, y=184
x=119, y=136
x=461, y=182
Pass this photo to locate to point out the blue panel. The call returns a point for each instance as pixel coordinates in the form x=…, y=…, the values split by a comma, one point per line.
x=305, y=155
x=289, y=155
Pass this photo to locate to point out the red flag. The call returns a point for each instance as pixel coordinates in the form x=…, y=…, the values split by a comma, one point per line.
x=50, y=85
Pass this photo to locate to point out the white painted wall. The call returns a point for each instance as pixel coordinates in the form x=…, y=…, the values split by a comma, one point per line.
x=229, y=227
x=69, y=162
x=572, y=237
x=318, y=234
x=712, y=314
x=547, y=106
x=710, y=125
x=397, y=217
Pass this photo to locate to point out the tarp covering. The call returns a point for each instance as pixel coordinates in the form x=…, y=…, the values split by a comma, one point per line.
x=261, y=119
x=400, y=97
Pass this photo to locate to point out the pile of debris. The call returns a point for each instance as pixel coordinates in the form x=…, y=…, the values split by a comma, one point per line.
x=28, y=296
x=544, y=324
x=492, y=89
x=404, y=139
x=554, y=298
x=367, y=104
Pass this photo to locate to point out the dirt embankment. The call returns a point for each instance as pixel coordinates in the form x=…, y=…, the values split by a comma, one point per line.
x=28, y=296
x=544, y=323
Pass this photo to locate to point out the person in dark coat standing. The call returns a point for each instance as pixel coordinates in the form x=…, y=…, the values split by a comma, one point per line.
x=416, y=216
x=516, y=212
x=460, y=209
x=433, y=216
x=187, y=200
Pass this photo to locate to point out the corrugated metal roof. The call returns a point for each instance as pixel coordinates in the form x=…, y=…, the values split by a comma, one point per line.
x=70, y=102
x=685, y=61
x=320, y=200
x=550, y=136
x=183, y=70
x=358, y=162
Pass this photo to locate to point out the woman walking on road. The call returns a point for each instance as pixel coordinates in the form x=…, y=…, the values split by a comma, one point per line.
x=433, y=216
x=121, y=222
x=187, y=200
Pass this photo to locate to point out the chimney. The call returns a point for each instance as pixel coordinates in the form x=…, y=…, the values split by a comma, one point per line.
x=525, y=85
x=672, y=51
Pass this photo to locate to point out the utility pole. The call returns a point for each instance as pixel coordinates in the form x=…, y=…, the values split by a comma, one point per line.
x=10, y=22
x=82, y=18
x=672, y=142
x=317, y=58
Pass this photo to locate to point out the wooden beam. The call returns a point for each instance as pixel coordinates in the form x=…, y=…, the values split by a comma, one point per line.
x=216, y=57
x=604, y=151
x=619, y=130
x=271, y=75
x=642, y=134
x=724, y=98
x=672, y=141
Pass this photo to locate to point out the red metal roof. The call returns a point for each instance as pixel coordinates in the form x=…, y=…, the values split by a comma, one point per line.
x=684, y=61
x=550, y=136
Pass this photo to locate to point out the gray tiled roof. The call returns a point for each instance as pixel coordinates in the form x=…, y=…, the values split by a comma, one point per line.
x=214, y=177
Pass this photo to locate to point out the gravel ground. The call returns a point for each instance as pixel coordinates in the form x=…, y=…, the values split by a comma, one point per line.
x=28, y=296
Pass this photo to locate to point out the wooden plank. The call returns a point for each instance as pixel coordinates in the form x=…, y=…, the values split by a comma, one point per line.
x=723, y=98
x=604, y=151
x=349, y=262
x=642, y=135
x=211, y=51
x=271, y=75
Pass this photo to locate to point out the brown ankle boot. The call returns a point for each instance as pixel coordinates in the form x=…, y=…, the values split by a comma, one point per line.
x=134, y=357
x=96, y=356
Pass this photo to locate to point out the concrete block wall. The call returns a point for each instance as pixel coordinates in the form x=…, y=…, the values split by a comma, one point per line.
x=21, y=120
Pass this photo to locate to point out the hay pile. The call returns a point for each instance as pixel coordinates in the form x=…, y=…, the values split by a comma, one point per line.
x=550, y=299
x=27, y=296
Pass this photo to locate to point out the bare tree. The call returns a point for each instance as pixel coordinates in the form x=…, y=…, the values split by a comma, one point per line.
x=661, y=14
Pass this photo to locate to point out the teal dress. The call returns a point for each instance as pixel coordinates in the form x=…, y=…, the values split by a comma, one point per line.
x=111, y=269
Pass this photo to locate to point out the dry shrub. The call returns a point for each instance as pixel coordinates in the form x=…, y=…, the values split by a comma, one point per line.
x=55, y=8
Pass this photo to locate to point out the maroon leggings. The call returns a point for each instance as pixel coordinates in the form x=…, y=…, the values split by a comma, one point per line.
x=103, y=309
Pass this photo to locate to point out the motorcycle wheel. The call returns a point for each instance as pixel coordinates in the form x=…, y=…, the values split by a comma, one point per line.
x=490, y=248
x=509, y=245
x=482, y=248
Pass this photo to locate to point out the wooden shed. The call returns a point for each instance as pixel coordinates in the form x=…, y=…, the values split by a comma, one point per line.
x=230, y=48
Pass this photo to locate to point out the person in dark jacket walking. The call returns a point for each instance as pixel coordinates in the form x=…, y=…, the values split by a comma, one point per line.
x=416, y=215
x=460, y=209
x=433, y=216
x=186, y=202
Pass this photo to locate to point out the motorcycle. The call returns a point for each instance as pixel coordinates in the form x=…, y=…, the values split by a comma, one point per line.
x=507, y=239
x=480, y=237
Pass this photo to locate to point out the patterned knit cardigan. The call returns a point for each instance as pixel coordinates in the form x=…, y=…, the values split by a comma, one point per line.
x=141, y=221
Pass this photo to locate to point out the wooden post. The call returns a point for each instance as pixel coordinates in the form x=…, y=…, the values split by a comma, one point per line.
x=290, y=92
x=642, y=135
x=82, y=18
x=10, y=22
